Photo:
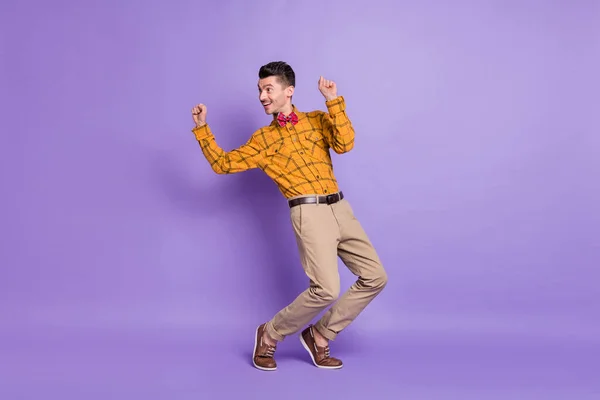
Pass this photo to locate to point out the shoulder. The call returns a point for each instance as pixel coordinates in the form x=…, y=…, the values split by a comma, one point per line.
x=262, y=136
x=315, y=115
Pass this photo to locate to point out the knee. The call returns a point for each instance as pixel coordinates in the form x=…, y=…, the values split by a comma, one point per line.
x=327, y=294
x=377, y=281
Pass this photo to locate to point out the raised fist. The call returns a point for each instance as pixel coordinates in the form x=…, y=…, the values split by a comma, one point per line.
x=327, y=88
x=199, y=114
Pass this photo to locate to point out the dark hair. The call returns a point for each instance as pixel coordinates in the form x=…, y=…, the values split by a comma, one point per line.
x=281, y=70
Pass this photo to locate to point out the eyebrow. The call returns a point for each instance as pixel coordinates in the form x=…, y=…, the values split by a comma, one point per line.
x=268, y=84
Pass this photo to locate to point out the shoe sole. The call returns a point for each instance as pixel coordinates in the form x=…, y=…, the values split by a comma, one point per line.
x=313, y=357
x=254, y=352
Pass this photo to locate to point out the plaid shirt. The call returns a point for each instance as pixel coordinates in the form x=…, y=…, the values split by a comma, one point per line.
x=295, y=157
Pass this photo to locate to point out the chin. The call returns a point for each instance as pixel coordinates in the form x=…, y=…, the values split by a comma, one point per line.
x=270, y=110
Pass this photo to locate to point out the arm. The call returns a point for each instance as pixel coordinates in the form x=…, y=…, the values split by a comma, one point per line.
x=241, y=159
x=337, y=127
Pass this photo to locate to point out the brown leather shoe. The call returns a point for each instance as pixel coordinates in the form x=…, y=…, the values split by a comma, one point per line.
x=262, y=358
x=320, y=355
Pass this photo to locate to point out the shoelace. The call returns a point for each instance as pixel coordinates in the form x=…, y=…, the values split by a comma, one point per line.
x=270, y=352
x=326, y=349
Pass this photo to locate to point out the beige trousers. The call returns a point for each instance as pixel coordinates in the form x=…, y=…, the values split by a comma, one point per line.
x=324, y=232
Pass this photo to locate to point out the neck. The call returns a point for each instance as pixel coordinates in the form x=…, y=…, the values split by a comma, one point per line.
x=287, y=109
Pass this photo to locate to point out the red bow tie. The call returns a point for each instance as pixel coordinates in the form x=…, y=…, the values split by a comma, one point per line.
x=282, y=119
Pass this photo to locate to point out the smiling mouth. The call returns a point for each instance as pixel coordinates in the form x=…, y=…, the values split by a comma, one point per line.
x=266, y=105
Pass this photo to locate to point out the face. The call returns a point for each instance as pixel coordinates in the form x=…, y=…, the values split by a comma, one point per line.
x=274, y=97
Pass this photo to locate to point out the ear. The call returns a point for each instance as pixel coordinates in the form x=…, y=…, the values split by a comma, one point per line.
x=289, y=91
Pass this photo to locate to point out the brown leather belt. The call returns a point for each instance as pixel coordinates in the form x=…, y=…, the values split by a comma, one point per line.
x=329, y=199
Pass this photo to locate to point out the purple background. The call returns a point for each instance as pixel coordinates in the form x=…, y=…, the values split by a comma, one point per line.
x=130, y=270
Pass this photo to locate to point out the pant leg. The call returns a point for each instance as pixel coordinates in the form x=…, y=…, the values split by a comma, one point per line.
x=317, y=235
x=358, y=254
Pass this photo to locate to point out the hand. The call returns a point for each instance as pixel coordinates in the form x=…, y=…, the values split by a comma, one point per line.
x=199, y=115
x=328, y=88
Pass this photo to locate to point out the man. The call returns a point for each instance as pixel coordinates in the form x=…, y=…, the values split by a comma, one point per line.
x=294, y=151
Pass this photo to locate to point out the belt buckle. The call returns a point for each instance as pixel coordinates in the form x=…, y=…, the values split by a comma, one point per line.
x=330, y=198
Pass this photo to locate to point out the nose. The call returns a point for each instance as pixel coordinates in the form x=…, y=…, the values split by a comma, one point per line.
x=262, y=96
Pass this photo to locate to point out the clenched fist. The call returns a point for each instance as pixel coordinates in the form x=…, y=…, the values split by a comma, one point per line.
x=199, y=114
x=327, y=88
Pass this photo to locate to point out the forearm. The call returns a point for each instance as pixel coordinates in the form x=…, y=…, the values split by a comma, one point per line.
x=213, y=153
x=220, y=161
x=342, y=132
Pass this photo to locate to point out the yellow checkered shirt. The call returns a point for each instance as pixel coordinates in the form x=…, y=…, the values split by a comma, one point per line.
x=295, y=157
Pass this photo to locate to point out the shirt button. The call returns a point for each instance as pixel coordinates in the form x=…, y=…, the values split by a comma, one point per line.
x=325, y=190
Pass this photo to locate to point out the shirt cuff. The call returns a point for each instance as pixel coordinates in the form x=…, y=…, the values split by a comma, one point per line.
x=201, y=132
x=336, y=105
